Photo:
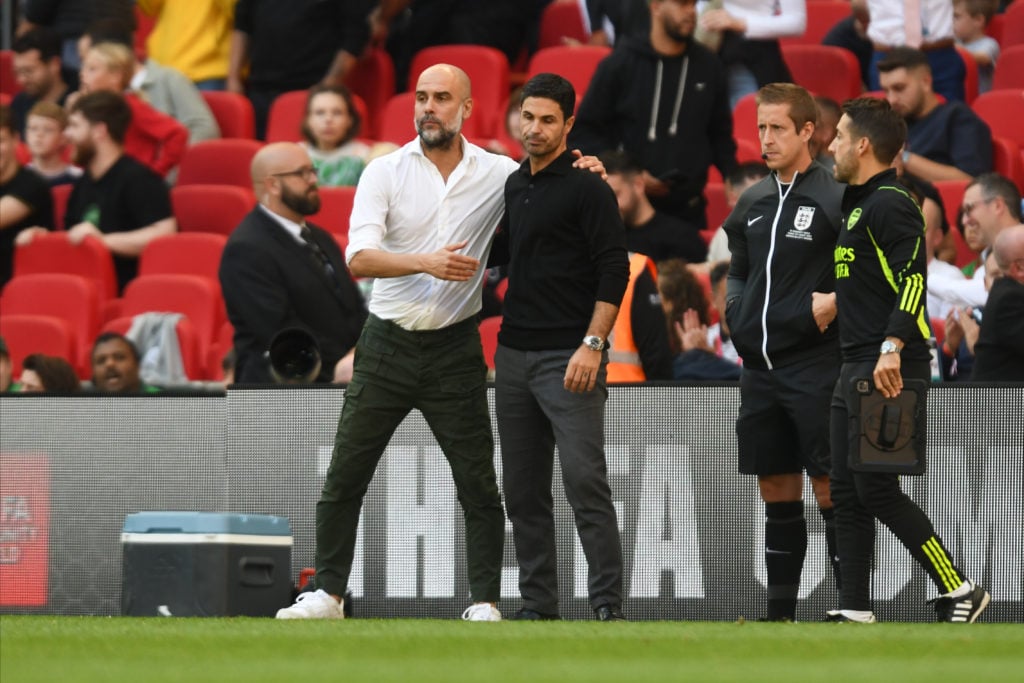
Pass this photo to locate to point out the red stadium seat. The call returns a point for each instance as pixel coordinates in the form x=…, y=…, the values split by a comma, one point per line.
x=72, y=298
x=25, y=334
x=193, y=295
x=373, y=79
x=718, y=208
x=970, y=74
x=224, y=342
x=1013, y=25
x=1009, y=73
x=188, y=343
x=821, y=17
x=489, y=338
x=938, y=330
x=1006, y=160
x=574, y=63
x=1003, y=111
x=284, y=122
x=189, y=253
x=952, y=193
x=559, y=21
x=8, y=83
x=233, y=112
x=60, y=194
x=487, y=69
x=54, y=253
x=824, y=70
x=744, y=119
x=211, y=208
x=218, y=162
x=335, y=209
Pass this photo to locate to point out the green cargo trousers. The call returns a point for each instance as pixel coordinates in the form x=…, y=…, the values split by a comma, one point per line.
x=442, y=374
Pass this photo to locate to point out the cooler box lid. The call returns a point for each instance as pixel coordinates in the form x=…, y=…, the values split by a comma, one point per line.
x=221, y=525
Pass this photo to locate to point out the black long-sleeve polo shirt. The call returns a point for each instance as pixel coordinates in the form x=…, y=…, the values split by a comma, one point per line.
x=566, y=249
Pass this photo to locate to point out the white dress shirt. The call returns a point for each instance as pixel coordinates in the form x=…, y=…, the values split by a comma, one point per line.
x=404, y=206
x=950, y=290
x=888, y=27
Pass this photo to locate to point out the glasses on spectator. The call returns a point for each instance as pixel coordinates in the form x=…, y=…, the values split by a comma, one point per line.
x=306, y=173
x=970, y=206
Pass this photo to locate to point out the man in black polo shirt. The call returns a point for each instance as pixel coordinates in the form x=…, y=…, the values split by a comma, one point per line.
x=567, y=275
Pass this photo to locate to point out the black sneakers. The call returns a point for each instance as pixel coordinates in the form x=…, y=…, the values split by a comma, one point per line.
x=964, y=609
x=608, y=613
x=526, y=614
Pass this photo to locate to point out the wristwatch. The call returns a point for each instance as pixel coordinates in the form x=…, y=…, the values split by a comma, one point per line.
x=889, y=347
x=593, y=342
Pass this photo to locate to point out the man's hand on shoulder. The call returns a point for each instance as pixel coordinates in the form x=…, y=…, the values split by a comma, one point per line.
x=591, y=163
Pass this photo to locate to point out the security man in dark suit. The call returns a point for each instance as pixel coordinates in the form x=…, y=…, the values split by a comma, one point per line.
x=279, y=272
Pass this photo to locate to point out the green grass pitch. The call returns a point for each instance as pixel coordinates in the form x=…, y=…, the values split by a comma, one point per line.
x=87, y=649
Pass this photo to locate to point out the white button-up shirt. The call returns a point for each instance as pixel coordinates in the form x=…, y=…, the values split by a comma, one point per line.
x=888, y=27
x=404, y=206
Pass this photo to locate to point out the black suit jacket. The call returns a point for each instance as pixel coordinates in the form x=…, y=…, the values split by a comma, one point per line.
x=271, y=282
x=999, y=351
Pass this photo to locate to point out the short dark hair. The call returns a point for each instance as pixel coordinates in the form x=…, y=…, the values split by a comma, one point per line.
x=108, y=108
x=995, y=185
x=345, y=94
x=41, y=38
x=55, y=373
x=903, y=58
x=802, y=109
x=874, y=119
x=105, y=337
x=748, y=170
x=986, y=8
x=552, y=87
x=619, y=162
x=110, y=30
x=7, y=119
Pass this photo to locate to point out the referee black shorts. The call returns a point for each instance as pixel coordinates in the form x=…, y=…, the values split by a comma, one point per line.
x=783, y=423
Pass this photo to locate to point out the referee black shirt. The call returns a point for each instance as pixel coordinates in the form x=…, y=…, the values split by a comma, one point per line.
x=566, y=248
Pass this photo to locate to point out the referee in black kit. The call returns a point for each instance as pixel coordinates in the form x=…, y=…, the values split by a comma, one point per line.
x=880, y=296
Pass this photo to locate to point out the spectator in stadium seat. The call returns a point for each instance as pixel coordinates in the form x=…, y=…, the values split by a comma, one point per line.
x=991, y=204
x=648, y=231
x=694, y=341
x=37, y=69
x=623, y=17
x=118, y=199
x=278, y=271
x=892, y=28
x=292, y=46
x=962, y=329
x=568, y=272
x=69, y=18
x=945, y=140
x=780, y=306
x=162, y=87
x=25, y=200
x=664, y=100
x=154, y=138
x=47, y=374
x=880, y=270
x=330, y=127
x=6, y=369
x=750, y=31
x=970, y=17
x=115, y=366
x=46, y=141
x=999, y=351
x=824, y=130
x=192, y=37
x=852, y=33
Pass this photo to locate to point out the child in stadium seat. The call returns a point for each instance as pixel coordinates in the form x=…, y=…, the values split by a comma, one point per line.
x=44, y=135
x=970, y=17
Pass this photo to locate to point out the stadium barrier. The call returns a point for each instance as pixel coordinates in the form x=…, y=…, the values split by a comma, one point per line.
x=692, y=529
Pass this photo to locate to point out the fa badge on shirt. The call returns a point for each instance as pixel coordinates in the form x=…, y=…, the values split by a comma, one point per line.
x=804, y=216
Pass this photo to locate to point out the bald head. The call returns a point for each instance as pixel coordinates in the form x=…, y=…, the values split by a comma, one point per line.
x=1009, y=252
x=445, y=77
x=276, y=157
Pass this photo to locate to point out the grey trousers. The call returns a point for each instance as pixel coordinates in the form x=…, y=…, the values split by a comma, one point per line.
x=536, y=412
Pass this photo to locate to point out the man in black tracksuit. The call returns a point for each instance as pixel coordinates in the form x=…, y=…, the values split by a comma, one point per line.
x=665, y=102
x=779, y=303
x=880, y=289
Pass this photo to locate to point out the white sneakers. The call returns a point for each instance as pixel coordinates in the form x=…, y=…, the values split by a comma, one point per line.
x=481, y=611
x=316, y=605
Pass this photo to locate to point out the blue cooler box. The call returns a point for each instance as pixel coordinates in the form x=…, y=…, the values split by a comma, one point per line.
x=198, y=564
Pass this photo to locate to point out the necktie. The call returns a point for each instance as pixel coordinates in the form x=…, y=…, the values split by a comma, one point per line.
x=912, y=22
x=319, y=257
